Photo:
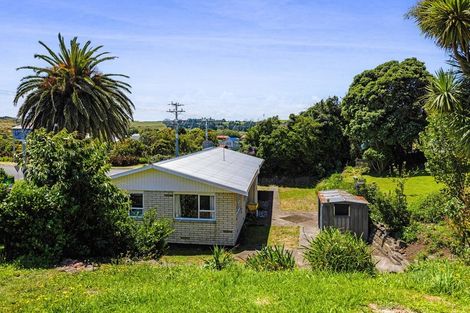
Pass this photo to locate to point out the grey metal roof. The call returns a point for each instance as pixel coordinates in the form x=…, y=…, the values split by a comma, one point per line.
x=336, y=196
x=219, y=167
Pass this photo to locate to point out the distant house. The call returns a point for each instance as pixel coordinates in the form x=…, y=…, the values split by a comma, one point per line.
x=340, y=209
x=232, y=143
x=204, y=193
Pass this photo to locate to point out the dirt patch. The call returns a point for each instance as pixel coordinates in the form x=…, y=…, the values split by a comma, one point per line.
x=378, y=309
x=413, y=250
x=75, y=266
x=296, y=218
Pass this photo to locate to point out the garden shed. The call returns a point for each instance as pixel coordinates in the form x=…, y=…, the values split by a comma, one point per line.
x=340, y=209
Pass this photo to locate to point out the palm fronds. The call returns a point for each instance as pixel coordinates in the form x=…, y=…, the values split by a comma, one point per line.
x=71, y=93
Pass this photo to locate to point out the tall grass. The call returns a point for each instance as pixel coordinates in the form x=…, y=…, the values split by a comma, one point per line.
x=334, y=251
x=271, y=258
x=220, y=259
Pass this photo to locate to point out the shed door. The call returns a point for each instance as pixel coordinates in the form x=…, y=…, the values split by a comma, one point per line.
x=342, y=215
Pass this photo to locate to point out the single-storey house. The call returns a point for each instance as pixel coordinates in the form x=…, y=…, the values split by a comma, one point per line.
x=340, y=209
x=204, y=193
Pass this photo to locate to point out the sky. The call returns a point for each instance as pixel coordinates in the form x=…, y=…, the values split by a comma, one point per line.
x=229, y=59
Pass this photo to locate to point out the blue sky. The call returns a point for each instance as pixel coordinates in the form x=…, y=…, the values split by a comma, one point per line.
x=223, y=59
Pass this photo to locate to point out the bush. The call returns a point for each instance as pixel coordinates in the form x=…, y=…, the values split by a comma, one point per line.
x=127, y=152
x=335, y=181
x=390, y=209
x=68, y=206
x=30, y=223
x=151, y=235
x=271, y=258
x=5, y=182
x=431, y=209
x=220, y=259
x=335, y=251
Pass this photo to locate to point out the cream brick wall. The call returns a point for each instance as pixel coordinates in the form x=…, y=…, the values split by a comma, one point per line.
x=223, y=231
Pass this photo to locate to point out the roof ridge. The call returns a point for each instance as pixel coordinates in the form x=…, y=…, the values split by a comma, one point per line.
x=185, y=156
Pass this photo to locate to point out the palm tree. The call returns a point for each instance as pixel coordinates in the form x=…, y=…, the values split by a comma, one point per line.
x=71, y=93
x=447, y=22
x=443, y=93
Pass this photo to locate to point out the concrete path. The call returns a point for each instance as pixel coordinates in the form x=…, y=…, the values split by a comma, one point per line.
x=307, y=221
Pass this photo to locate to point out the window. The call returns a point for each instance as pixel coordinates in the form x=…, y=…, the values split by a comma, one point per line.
x=137, y=208
x=195, y=206
x=341, y=209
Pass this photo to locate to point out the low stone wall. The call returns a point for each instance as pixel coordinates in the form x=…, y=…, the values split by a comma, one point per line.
x=392, y=248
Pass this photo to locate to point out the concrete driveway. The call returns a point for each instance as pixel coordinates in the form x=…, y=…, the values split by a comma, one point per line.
x=307, y=221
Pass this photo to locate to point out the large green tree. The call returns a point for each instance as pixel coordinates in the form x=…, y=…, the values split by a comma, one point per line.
x=308, y=144
x=71, y=93
x=384, y=111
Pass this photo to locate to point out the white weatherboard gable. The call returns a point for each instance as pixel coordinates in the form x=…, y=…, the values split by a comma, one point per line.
x=151, y=179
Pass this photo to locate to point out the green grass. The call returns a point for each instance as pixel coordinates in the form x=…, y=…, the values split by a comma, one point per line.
x=141, y=125
x=148, y=287
x=287, y=236
x=415, y=187
x=297, y=199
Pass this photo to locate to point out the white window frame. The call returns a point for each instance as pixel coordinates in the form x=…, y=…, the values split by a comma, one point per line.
x=196, y=219
x=349, y=209
x=136, y=208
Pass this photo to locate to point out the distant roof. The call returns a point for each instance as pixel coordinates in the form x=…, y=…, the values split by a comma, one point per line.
x=336, y=196
x=219, y=167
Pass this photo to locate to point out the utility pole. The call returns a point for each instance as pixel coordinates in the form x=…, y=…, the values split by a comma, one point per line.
x=205, y=119
x=176, y=110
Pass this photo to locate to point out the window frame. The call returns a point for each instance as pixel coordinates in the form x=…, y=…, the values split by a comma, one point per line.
x=349, y=209
x=196, y=219
x=137, y=208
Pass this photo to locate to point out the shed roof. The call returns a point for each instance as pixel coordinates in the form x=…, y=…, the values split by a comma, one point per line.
x=219, y=167
x=336, y=196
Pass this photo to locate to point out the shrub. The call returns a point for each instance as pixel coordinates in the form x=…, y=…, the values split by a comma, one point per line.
x=335, y=251
x=68, y=206
x=30, y=223
x=391, y=209
x=271, y=258
x=431, y=209
x=5, y=182
x=151, y=235
x=126, y=152
x=220, y=259
x=335, y=181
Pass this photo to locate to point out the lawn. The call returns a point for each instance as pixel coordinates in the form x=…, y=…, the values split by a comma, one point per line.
x=297, y=199
x=287, y=236
x=416, y=187
x=141, y=125
x=146, y=287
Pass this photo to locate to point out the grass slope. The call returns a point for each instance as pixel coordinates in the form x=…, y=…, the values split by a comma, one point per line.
x=141, y=125
x=416, y=187
x=304, y=199
x=154, y=288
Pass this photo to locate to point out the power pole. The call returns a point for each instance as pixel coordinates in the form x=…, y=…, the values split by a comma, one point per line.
x=205, y=119
x=176, y=110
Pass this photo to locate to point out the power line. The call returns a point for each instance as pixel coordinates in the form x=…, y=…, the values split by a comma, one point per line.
x=176, y=110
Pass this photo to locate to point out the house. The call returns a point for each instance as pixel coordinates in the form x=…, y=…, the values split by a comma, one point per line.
x=232, y=143
x=204, y=193
x=340, y=209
